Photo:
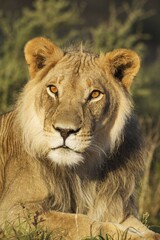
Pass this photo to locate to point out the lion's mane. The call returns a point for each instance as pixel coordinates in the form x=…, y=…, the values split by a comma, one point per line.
x=97, y=172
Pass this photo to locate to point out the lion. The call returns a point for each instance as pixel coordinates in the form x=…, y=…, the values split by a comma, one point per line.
x=71, y=148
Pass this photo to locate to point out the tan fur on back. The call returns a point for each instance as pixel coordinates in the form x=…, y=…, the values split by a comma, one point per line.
x=71, y=148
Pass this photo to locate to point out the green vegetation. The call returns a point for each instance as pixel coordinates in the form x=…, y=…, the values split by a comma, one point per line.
x=56, y=25
x=122, y=236
x=27, y=228
x=64, y=23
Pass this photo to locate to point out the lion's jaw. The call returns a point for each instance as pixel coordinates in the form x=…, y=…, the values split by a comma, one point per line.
x=69, y=152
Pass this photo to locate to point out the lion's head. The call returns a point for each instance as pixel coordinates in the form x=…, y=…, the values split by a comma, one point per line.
x=76, y=104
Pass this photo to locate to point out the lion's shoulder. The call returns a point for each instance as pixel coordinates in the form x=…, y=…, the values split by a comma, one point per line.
x=6, y=142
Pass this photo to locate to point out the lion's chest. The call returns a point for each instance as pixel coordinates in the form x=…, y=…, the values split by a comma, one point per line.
x=76, y=196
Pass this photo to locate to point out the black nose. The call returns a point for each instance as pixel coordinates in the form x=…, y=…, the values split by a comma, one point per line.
x=66, y=132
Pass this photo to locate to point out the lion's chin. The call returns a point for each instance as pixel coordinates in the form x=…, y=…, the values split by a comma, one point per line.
x=65, y=156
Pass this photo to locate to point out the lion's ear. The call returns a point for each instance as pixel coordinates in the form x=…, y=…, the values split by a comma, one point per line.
x=40, y=52
x=123, y=64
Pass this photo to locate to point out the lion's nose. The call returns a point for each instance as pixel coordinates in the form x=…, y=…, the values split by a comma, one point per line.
x=66, y=132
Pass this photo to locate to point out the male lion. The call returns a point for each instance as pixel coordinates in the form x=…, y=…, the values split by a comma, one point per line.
x=71, y=148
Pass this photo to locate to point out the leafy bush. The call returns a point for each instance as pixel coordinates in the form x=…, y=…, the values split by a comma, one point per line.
x=123, y=28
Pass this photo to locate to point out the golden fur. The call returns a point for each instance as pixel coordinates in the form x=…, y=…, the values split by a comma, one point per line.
x=71, y=148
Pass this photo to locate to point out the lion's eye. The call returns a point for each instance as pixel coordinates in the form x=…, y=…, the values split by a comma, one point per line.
x=95, y=94
x=52, y=89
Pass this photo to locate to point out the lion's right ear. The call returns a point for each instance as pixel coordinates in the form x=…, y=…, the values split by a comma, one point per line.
x=40, y=52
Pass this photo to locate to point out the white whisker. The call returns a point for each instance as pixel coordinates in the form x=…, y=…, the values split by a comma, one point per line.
x=96, y=148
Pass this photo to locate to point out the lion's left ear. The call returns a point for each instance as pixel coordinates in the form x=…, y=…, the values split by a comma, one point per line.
x=123, y=64
x=40, y=52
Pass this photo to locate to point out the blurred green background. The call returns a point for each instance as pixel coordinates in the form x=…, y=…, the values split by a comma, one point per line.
x=102, y=25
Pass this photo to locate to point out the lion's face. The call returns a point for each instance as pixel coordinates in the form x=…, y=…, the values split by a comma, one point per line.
x=75, y=108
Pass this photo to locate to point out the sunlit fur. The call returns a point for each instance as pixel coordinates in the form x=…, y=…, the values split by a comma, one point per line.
x=96, y=172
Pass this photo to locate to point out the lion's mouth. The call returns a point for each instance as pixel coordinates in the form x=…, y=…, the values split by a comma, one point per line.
x=65, y=148
x=64, y=155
